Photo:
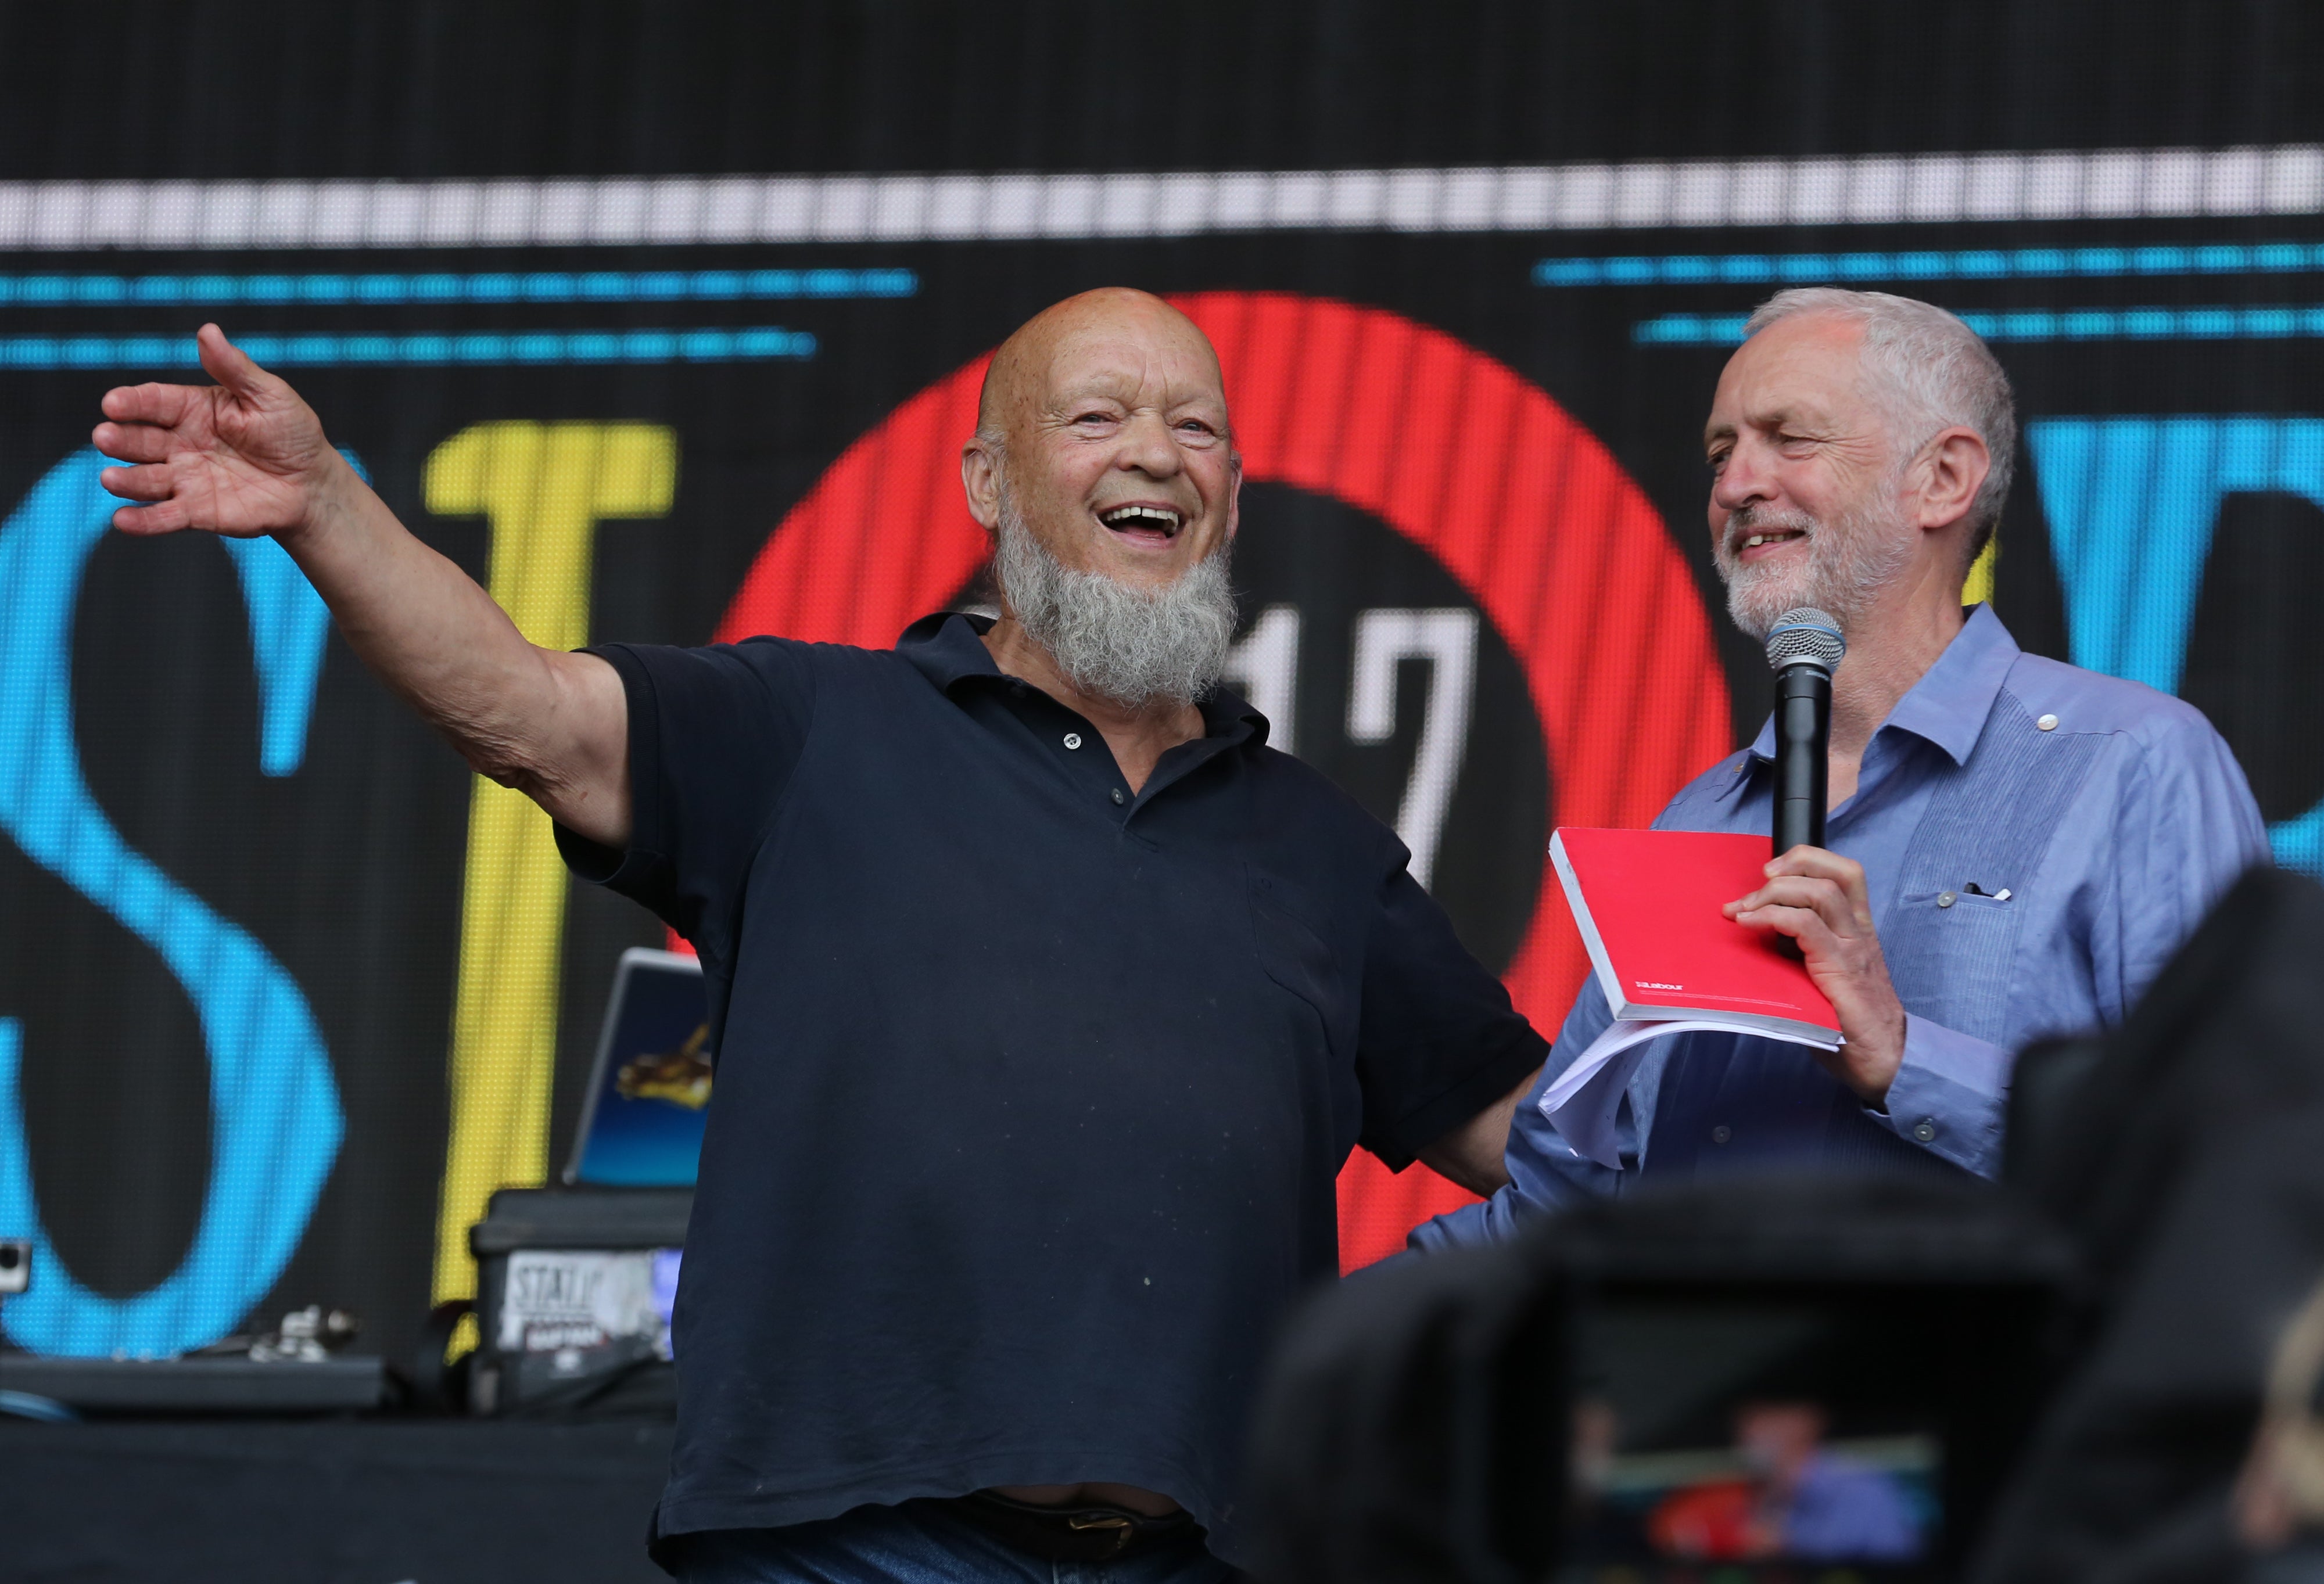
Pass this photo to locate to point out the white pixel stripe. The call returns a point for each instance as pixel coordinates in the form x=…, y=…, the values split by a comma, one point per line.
x=1872, y=190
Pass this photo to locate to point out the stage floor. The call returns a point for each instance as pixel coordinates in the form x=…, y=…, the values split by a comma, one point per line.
x=348, y=1501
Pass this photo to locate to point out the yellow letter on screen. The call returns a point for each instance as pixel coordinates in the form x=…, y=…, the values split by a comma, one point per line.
x=1978, y=590
x=544, y=487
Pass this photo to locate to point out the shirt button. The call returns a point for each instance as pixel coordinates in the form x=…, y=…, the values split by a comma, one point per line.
x=1072, y=740
x=1118, y=799
x=1720, y=1135
x=1925, y=1130
x=2048, y=723
x=1944, y=898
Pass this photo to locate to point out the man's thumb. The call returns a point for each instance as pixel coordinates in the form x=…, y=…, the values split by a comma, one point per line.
x=224, y=362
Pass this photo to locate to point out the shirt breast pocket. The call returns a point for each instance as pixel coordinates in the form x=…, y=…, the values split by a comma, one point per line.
x=1950, y=955
x=1293, y=952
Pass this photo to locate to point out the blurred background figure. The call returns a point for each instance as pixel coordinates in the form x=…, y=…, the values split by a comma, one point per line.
x=1798, y=1500
x=1815, y=1504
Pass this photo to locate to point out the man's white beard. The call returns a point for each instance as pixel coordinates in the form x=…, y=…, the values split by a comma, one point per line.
x=1109, y=638
x=1849, y=560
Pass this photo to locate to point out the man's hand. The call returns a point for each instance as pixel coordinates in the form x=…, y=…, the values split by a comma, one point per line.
x=243, y=457
x=1818, y=899
x=246, y=458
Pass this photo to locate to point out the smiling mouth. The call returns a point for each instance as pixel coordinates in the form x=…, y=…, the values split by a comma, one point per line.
x=1147, y=524
x=1776, y=537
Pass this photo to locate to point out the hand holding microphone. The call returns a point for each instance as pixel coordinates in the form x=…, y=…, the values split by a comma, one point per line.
x=1816, y=897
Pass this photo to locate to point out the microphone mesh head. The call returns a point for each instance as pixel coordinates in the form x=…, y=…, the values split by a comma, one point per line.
x=1805, y=634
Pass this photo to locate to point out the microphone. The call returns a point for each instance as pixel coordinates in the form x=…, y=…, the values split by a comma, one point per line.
x=1804, y=647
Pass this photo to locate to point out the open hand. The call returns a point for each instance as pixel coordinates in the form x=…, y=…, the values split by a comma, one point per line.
x=243, y=457
x=1819, y=899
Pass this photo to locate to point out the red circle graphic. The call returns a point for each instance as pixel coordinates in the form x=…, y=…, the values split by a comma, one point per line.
x=1462, y=454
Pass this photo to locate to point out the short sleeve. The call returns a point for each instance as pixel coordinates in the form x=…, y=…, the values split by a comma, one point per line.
x=1438, y=1040
x=714, y=734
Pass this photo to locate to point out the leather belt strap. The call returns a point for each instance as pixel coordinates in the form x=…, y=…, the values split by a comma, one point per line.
x=1097, y=1533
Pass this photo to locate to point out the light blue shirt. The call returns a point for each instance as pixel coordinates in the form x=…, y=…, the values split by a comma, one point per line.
x=1842, y=1511
x=2111, y=814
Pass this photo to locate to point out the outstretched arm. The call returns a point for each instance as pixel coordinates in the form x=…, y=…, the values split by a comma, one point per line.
x=246, y=458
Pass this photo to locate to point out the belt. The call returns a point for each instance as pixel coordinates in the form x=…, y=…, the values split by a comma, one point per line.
x=1097, y=1533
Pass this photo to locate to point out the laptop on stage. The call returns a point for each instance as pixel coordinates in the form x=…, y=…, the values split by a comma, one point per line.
x=649, y=1087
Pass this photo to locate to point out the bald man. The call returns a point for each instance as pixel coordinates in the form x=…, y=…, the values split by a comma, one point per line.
x=1047, y=998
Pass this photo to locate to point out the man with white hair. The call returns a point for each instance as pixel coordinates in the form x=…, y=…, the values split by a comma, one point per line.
x=2016, y=845
x=1047, y=998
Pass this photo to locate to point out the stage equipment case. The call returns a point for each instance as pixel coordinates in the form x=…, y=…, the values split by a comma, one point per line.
x=574, y=1287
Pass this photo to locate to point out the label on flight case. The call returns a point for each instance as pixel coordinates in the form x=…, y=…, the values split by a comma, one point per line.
x=556, y=1301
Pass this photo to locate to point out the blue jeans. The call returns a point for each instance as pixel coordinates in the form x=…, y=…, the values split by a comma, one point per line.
x=918, y=1543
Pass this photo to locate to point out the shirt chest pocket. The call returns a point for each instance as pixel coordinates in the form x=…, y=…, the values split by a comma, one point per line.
x=1950, y=955
x=1294, y=953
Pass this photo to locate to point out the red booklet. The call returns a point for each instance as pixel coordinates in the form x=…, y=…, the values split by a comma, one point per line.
x=1648, y=904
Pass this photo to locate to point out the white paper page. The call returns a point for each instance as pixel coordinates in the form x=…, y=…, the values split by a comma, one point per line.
x=1584, y=1101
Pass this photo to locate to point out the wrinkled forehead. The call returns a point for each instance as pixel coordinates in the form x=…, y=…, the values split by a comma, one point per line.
x=1148, y=362
x=1807, y=368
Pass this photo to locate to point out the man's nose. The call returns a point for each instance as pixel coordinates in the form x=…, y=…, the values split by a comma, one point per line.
x=1147, y=445
x=1746, y=478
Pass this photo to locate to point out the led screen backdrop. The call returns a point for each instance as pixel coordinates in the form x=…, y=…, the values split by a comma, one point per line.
x=285, y=990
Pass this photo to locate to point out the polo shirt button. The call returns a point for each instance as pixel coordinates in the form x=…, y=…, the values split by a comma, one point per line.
x=1720, y=1135
x=1072, y=740
x=2047, y=723
x=1944, y=898
x=1925, y=1130
x=1118, y=799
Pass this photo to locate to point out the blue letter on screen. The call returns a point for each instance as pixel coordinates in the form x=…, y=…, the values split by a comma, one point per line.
x=274, y=1106
x=2133, y=504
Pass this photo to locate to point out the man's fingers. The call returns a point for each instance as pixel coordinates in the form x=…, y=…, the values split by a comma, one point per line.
x=1804, y=925
x=1826, y=897
x=151, y=403
x=155, y=481
x=225, y=364
x=1819, y=863
x=1842, y=878
x=168, y=517
x=134, y=442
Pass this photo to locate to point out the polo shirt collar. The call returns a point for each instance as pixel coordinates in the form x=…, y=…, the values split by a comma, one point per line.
x=1950, y=704
x=949, y=647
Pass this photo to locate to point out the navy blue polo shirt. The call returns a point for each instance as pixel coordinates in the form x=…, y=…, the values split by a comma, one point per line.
x=1030, y=1093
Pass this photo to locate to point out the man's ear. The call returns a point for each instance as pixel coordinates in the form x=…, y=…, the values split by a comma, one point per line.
x=1953, y=468
x=980, y=479
x=1234, y=497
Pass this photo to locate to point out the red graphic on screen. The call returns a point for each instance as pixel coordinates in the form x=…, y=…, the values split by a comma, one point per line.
x=1465, y=457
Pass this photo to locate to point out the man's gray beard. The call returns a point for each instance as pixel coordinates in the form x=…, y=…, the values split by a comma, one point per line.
x=1109, y=638
x=1848, y=562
